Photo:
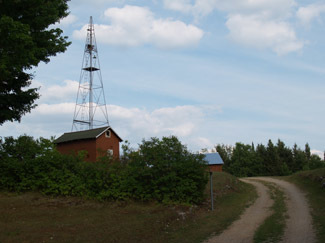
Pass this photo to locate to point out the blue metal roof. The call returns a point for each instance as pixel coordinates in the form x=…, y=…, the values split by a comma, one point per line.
x=213, y=159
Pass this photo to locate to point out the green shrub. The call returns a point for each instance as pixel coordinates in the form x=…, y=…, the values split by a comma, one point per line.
x=162, y=170
x=166, y=171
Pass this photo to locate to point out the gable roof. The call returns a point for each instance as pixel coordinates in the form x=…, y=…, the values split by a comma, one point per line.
x=213, y=159
x=86, y=134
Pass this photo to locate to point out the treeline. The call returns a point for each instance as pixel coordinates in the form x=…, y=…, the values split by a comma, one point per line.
x=161, y=170
x=272, y=160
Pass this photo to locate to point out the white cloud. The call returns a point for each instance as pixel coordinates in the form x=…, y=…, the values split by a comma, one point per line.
x=318, y=152
x=65, y=22
x=254, y=23
x=205, y=7
x=132, y=124
x=56, y=92
x=203, y=142
x=179, y=5
x=307, y=14
x=99, y=2
x=70, y=19
x=54, y=109
x=180, y=120
x=134, y=26
x=256, y=32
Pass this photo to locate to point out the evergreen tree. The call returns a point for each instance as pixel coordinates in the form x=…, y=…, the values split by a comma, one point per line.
x=272, y=159
x=225, y=153
x=285, y=158
x=307, y=151
x=300, y=159
x=261, y=156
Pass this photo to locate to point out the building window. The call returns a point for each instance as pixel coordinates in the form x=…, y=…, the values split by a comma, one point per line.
x=109, y=152
x=108, y=134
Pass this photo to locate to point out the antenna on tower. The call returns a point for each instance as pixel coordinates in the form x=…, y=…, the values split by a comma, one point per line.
x=90, y=96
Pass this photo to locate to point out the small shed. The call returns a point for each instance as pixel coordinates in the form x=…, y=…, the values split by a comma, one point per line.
x=97, y=142
x=215, y=161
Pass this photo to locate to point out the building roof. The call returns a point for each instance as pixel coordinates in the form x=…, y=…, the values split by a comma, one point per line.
x=86, y=134
x=213, y=159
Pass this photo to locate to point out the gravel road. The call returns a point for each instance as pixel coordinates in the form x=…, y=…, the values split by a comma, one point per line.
x=242, y=230
x=298, y=225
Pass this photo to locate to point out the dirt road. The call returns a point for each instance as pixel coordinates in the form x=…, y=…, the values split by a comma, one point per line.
x=243, y=229
x=298, y=225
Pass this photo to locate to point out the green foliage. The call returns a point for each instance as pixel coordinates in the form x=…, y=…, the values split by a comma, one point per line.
x=161, y=170
x=271, y=160
x=225, y=152
x=26, y=40
x=166, y=171
x=242, y=160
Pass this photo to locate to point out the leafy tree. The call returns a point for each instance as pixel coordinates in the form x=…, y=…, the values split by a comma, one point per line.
x=165, y=170
x=242, y=160
x=316, y=162
x=26, y=40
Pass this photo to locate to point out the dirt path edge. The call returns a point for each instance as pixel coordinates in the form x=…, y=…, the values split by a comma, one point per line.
x=243, y=229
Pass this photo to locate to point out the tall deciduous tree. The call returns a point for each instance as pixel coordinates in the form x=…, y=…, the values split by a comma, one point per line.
x=25, y=41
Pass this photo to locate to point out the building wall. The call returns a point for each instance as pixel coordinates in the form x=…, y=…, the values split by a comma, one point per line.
x=74, y=147
x=104, y=143
x=94, y=147
x=215, y=168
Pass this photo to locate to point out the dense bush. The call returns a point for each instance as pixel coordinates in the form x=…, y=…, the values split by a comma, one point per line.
x=165, y=170
x=161, y=170
x=271, y=160
x=28, y=164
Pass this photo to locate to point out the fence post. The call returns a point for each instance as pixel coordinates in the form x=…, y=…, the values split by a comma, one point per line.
x=211, y=191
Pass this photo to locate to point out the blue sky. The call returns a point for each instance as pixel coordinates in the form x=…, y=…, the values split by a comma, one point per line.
x=207, y=71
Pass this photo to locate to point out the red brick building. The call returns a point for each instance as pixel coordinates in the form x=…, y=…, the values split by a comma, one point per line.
x=97, y=142
x=215, y=162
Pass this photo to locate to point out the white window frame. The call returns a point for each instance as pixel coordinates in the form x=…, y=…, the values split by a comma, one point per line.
x=109, y=132
x=110, y=152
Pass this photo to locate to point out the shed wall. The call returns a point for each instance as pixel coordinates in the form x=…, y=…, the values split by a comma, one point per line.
x=215, y=168
x=74, y=147
x=104, y=143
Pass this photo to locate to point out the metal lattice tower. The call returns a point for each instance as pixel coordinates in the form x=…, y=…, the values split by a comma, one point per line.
x=90, y=98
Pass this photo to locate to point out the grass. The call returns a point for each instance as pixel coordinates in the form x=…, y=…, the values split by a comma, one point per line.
x=313, y=183
x=273, y=227
x=32, y=217
x=231, y=198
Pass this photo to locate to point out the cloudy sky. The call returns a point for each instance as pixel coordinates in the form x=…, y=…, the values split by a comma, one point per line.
x=207, y=71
